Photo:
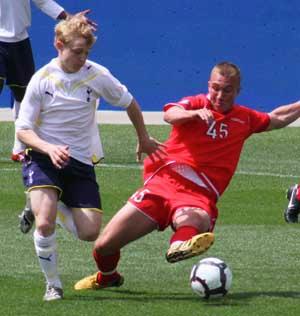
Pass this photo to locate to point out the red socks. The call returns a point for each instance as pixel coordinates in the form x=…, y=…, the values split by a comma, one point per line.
x=184, y=233
x=107, y=266
x=106, y=279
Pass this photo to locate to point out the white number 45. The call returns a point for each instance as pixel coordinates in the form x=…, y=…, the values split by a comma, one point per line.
x=214, y=133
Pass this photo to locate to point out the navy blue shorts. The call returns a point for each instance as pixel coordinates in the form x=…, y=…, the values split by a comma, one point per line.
x=16, y=63
x=76, y=182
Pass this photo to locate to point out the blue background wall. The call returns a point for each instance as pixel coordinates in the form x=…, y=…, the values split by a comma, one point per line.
x=163, y=50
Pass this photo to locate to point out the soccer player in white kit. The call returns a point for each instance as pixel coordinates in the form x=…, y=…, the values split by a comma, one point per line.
x=16, y=58
x=57, y=121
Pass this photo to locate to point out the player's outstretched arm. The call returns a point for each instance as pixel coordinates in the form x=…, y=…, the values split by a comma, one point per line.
x=146, y=144
x=284, y=115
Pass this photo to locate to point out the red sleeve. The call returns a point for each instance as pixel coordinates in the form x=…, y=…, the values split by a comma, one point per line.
x=259, y=121
x=189, y=103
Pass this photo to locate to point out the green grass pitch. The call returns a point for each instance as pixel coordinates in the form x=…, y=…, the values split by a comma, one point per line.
x=251, y=236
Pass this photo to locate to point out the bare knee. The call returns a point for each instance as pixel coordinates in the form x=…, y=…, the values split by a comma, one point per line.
x=104, y=246
x=88, y=223
x=191, y=216
x=90, y=234
x=45, y=228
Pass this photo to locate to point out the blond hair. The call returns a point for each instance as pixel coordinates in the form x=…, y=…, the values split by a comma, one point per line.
x=228, y=70
x=76, y=26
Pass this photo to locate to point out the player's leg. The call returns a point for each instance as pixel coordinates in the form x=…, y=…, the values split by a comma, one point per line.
x=26, y=217
x=1, y=84
x=127, y=225
x=65, y=219
x=291, y=213
x=87, y=222
x=19, y=72
x=191, y=234
x=18, y=94
x=18, y=147
x=44, y=205
x=77, y=193
x=43, y=183
x=81, y=196
x=3, y=64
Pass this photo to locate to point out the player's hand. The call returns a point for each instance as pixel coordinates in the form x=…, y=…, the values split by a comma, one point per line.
x=59, y=155
x=205, y=115
x=151, y=147
x=84, y=13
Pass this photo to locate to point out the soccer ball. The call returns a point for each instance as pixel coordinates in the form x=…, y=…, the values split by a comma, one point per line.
x=211, y=277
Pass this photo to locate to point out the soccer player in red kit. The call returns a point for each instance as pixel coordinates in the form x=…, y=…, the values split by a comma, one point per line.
x=181, y=189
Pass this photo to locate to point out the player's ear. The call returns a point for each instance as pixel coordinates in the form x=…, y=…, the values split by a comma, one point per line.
x=58, y=44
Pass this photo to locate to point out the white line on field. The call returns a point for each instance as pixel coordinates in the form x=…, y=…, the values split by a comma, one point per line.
x=268, y=174
x=133, y=166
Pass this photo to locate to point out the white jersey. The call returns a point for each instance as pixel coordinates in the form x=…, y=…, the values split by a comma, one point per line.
x=61, y=107
x=15, y=17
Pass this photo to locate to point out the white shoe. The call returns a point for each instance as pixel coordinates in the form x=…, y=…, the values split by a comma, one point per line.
x=53, y=293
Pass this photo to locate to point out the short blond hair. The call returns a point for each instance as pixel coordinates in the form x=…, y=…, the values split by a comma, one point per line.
x=76, y=26
x=228, y=70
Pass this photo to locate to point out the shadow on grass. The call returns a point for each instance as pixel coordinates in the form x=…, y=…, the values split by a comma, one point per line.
x=124, y=295
x=244, y=298
x=144, y=296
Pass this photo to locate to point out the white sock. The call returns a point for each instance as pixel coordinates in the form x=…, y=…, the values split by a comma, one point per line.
x=45, y=248
x=65, y=218
x=18, y=145
x=16, y=109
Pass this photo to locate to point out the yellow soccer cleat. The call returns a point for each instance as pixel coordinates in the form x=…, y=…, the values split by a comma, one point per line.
x=87, y=283
x=190, y=248
x=91, y=283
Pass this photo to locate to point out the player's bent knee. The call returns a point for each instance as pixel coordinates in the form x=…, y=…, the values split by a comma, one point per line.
x=104, y=247
x=101, y=245
x=88, y=223
x=88, y=235
x=45, y=228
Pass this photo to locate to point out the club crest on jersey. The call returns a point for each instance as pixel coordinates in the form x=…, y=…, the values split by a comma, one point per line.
x=88, y=91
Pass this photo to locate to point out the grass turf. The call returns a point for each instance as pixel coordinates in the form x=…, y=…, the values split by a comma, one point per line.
x=251, y=237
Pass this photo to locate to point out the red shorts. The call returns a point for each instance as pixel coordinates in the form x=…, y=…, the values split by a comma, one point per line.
x=167, y=192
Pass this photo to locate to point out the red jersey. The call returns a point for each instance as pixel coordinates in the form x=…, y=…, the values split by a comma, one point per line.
x=212, y=151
